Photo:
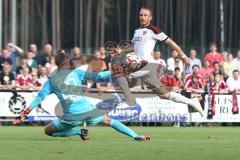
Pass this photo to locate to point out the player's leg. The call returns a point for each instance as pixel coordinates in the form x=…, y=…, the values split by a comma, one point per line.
x=120, y=127
x=57, y=128
x=177, y=97
x=128, y=96
x=153, y=83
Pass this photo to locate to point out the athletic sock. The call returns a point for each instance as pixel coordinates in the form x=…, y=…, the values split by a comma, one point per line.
x=67, y=133
x=176, y=97
x=120, y=127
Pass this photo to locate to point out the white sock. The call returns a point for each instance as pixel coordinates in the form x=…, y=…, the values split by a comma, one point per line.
x=176, y=97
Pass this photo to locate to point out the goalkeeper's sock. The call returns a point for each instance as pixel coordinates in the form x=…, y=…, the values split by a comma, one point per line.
x=120, y=127
x=67, y=133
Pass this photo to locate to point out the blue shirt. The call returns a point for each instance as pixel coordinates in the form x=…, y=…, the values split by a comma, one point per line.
x=104, y=82
x=14, y=57
x=66, y=84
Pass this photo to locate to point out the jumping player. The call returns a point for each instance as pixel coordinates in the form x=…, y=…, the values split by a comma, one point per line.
x=66, y=84
x=143, y=44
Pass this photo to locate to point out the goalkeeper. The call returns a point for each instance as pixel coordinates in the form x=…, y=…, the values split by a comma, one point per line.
x=66, y=84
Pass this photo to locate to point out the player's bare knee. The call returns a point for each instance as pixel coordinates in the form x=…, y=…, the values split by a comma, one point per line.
x=106, y=120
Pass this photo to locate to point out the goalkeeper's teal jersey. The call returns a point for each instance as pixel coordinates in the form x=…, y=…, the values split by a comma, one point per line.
x=66, y=84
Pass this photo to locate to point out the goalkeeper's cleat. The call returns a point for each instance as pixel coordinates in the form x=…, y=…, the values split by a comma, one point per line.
x=196, y=104
x=143, y=138
x=84, y=134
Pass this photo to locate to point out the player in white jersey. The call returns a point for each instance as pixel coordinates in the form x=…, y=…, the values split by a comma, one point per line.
x=143, y=42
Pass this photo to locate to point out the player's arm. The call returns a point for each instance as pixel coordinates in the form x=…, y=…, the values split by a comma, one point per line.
x=45, y=91
x=83, y=75
x=103, y=75
x=174, y=46
x=162, y=37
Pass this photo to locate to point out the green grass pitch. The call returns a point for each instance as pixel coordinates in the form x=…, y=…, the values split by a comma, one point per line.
x=212, y=143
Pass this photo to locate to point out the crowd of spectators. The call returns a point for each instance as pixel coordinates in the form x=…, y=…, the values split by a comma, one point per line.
x=29, y=69
x=219, y=70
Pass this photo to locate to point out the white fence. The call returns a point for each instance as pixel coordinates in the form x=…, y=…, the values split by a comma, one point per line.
x=149, y=108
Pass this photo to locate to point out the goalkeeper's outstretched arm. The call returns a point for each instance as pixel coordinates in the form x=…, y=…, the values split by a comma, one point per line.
x=45, y=91
x=83, y=75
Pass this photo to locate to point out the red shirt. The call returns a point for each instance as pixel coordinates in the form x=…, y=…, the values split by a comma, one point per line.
x=37, y=83
x=213, y=57
x=190, y=76
x=205, y=73
x=222, y=85
x=169, y=81
x=194, y=85
x=21, y=80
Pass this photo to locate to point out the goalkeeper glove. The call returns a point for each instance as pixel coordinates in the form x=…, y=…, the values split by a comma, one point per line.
x=23, y=115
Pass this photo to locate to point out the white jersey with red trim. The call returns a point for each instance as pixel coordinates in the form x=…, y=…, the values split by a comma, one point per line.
x=144, y=41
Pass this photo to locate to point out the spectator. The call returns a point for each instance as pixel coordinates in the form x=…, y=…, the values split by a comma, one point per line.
x=213, y=55
x=211, y=82
x=103, y=85
x=35, y=80
x=7, y=79
x=4, y=58
x=105, y=58
x=52, y=65
x=43, y=75
x=161, y=64
x=171, y=60
x=237, y=60
x=24, y=79
x=178, y=77
x=177, y=63
x=97, y=63
x=206, y=71
x=44, y=58
x=217, y=69
x=195, y=72
x=168, y=80
x=220, y=85
x=76, y=62
x=22, y=64
x=233, y=82
x=76, y=52
x=194, y=84
x=224, y=55
x=14, y=53
x=33, y=48
x=229, y=66
x=84, y=59
x=157, y=58
x=30, y=61
x=193, y=61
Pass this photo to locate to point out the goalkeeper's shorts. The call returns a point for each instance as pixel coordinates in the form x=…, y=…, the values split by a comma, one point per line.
x=60, y=124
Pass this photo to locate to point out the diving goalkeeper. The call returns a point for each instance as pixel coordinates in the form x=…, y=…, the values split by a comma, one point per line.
x=66, y=84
